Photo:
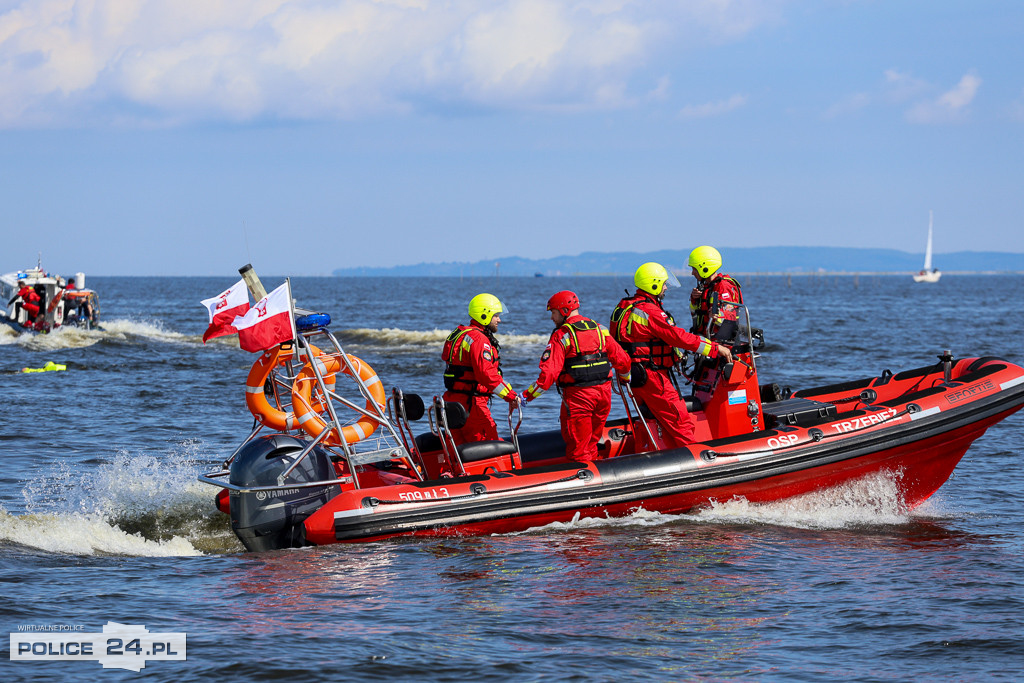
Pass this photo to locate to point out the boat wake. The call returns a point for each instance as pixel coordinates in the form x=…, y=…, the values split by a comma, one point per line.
x=413, y=341
x=128, y=330
x=108, y=331
x=872, y=501
x=135, y=505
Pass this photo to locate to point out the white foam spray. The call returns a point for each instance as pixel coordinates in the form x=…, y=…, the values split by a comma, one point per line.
x=143, y=505
x=871, y=501
x=78, y=338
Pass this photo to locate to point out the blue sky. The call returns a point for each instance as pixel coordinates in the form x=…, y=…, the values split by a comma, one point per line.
x=188, y=137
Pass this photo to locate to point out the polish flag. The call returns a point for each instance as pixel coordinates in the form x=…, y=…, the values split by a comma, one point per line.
x=267, y=323
x=224, y=308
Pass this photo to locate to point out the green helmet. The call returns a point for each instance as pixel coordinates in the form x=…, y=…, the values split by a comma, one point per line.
x=483, y=307
x=706, y=260
x=654, y=278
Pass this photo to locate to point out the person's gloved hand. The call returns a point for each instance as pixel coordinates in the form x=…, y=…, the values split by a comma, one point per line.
x=531, y=392
x=512, y=398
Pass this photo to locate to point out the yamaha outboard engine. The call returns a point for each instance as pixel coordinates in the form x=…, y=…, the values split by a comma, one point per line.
x=270, y=519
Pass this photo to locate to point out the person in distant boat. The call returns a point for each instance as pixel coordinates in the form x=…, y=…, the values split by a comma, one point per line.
x=70, y=304
x=649, y=335
x=579, y=358
x=30, y=302
x=472, y=370
x=711, y=301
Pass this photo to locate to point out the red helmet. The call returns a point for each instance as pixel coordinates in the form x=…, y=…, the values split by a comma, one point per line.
x=564, y=302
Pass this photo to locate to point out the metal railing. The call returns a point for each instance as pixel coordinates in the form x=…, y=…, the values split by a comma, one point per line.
x=388, y=445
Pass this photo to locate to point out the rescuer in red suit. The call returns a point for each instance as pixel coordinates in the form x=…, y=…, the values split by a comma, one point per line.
x=710, y=300
x=30, y=301
x=650, y=337
x=473, y=372
x=579, y=357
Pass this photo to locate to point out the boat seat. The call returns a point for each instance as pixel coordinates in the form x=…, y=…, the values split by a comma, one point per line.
x=540, y=446
x=468, y=452
x=428, y=442
x=484, y=450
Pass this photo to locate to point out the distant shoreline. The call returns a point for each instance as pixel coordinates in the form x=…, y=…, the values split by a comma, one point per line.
x=887, y=273
x=680, y=273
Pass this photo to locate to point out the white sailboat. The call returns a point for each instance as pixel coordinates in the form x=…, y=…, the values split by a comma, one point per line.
x=928, y=274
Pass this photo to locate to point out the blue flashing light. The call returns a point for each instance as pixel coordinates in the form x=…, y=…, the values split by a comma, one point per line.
x=313, y=321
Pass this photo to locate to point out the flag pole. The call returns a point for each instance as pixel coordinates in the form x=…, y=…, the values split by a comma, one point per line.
x=291, y=313
x=291, y=309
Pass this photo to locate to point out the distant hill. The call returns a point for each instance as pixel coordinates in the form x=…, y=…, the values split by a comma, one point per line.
x=737, y=260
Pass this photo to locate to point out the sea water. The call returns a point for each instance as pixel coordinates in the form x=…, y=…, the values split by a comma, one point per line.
x=102, y=519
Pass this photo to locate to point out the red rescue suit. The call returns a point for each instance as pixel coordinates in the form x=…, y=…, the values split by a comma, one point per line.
x=709, y=303
x=580, y=357
x=30, y=302
x=651, y=338
x=472, y=373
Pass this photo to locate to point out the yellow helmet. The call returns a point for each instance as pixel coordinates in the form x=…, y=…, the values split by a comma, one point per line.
x=654, y=278
x=706, y=260
x=483, y=307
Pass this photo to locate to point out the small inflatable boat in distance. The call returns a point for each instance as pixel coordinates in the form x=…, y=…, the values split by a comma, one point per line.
x=62, y=302
x=317, y=480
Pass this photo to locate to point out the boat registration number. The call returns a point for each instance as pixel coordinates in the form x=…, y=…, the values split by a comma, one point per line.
x=430, y=494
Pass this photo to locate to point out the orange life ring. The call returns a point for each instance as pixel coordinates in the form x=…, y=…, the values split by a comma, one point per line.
x=256, y=398
x=307, y=415
x=55, y=300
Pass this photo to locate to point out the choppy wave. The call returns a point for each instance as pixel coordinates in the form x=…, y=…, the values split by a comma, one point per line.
x=125, y=330
x=874, y=500
x=109, y=331
x=396, y=339
x=134, y=505
x=78, y=534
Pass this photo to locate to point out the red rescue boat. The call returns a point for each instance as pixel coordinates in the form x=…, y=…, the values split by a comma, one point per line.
x=312, y=486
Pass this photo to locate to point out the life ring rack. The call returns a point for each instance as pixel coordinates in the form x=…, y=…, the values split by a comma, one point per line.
x=307, y=413
x=264, y=411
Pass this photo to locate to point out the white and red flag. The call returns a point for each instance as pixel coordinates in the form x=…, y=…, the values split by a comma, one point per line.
x=268, y=322
x=224, y=308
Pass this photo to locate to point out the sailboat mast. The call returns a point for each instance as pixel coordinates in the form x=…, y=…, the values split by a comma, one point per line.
x=928, y=248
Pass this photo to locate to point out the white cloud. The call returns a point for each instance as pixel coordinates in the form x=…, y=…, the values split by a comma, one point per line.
x=900, y=89
x=702, y=111
x=661, y=90
x=950, y=106
x=73, y=61
x=962, y=95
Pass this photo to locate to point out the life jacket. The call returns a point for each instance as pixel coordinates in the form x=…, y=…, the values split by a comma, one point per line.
x=29, y=295
x=586, y=362
x=652, y=353
x=709, y=306
x=459, y=377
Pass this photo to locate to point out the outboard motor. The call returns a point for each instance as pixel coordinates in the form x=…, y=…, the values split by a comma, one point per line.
x=270, y=519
